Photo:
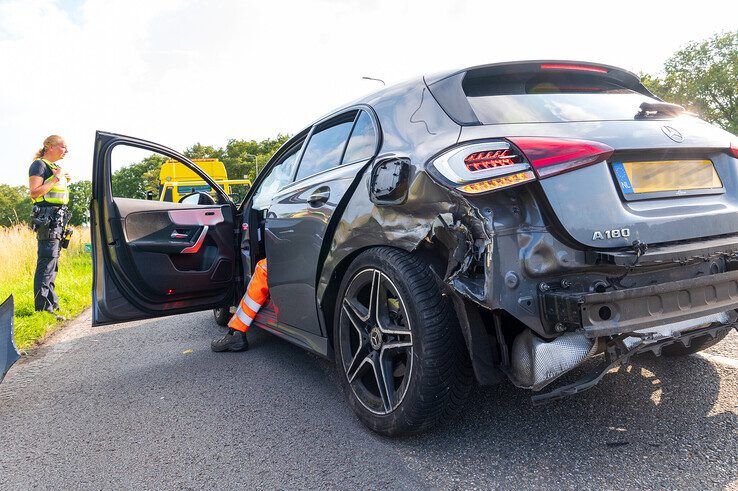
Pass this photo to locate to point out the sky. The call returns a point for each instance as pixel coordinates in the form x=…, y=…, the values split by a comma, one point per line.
x=179, y=72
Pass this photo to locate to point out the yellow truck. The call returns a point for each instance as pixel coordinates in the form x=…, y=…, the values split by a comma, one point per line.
x=177, y=180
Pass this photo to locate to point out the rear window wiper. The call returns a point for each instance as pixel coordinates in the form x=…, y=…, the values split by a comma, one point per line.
x=655, y=109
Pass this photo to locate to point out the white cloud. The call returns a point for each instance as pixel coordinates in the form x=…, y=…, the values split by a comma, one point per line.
x=178, y=72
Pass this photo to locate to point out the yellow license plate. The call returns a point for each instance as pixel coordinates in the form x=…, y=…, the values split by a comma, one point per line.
x=664, y=176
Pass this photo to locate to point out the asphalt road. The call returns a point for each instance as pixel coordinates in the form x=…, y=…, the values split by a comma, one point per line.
x=147, y=404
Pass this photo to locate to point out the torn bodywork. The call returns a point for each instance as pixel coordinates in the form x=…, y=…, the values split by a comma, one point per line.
x=8, y=352
x=545, y=273
x=620, y=349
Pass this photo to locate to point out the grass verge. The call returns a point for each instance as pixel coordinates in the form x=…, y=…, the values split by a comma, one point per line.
x=17, y=266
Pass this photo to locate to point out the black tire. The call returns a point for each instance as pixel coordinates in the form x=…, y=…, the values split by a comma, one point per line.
x=222, y=316
x=433, y=385
x=697, y=345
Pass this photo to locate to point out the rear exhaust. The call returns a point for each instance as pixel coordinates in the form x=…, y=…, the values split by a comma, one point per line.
x=536, y=362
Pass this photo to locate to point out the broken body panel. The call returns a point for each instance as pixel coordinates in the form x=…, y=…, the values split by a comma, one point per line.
x=509, y=251
x=545, y=264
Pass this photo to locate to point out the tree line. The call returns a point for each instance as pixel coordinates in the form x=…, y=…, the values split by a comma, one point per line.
x=240, y=157
x=15, y=204
x=701, y=76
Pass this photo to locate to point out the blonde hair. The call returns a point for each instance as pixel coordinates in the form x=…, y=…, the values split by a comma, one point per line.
x=50, y=141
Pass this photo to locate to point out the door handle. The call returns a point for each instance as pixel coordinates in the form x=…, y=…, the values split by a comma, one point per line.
x=196, y=247
x=178, y=235
x=319, y=197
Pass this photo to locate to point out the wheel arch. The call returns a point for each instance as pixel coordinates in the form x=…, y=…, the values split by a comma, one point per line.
x=413, y=227
x=474, y=321
x=334, y=269
x=329, y=296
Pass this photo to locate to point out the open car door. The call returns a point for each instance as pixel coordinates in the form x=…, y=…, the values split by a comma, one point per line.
x=153, y=258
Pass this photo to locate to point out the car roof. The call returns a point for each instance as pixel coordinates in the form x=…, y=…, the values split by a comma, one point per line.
x=395, y=90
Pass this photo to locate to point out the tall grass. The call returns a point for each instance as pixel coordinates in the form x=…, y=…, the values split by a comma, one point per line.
x=17, y=267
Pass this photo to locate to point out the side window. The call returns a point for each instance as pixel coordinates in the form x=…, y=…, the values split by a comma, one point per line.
x=325, y=147
x=142, y=174
x=279, y=176
x=363, y=141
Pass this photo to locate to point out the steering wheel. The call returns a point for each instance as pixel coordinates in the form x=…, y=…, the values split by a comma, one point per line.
x=197, y=198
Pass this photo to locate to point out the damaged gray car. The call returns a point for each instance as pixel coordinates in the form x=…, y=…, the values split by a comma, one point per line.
x=510, y=221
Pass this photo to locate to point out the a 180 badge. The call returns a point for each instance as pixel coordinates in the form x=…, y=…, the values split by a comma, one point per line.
x=615, y=233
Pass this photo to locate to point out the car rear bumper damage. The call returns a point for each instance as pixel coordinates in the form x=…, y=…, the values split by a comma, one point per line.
x=620, y=324
x=535, y=362
x=622, y=311
x=620, y=349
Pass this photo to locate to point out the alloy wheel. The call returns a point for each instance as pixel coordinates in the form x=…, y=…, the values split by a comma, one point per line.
x=376, y=341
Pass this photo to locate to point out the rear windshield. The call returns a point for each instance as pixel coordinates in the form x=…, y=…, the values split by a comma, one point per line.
x=550, y=98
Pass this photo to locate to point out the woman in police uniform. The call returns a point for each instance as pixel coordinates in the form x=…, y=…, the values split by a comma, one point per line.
x=47, y=183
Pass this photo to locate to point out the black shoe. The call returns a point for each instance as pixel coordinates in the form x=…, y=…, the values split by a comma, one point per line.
x=232, y=341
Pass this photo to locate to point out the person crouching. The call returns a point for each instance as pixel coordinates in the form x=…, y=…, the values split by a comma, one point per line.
x=257, y=293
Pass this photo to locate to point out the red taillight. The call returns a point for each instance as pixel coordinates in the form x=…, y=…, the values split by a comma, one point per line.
x=478, y=161
x=568, y=66
x=481, y=167
x=551, y=156
x=734, y=149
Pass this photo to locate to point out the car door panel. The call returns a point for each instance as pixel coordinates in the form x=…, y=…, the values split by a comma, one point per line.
x=175, y=231
x=187, y=264
x=156, y=258
x=299, y=222
x=295, y=233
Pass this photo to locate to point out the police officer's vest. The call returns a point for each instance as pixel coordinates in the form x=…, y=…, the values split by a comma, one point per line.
x=57, y=195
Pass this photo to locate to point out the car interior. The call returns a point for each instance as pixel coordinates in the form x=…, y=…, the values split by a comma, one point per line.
x=164, y=254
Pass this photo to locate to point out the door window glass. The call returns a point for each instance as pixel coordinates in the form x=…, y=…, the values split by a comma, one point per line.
x=278, y=177
x=142, y=174
x=363, y=140
x=135, y=173
x=325, y=148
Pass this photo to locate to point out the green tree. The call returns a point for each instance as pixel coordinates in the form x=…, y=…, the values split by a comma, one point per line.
x=15, y=205
x=240, y=157
x=132, y=181
x=703, y=77
x=199, y=151
x=80, y=194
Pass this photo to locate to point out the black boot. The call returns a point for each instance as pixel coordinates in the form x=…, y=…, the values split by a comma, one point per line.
x=232, y=341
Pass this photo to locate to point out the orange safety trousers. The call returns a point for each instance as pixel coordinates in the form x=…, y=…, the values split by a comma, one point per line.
x=255, y=297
